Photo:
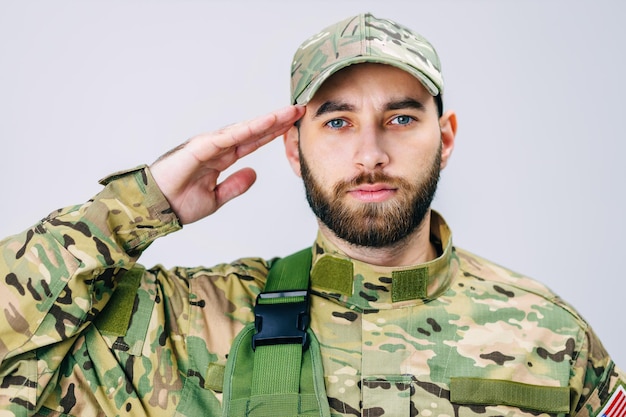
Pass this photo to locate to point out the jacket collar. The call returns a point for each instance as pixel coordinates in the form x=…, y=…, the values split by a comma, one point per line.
x=366, y=286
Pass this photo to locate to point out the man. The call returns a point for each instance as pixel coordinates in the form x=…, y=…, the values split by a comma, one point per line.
x=398, y=321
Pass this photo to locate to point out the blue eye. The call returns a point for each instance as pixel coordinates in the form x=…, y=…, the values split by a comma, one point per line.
x=336, y=123
x=402, y=120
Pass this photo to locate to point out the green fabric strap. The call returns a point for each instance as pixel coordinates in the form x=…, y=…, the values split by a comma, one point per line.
x=281, y=379
x=115, y=317
x=310, y=401
x=290, y=273
x=525, y=396
x=277, y=367
x=214, y=378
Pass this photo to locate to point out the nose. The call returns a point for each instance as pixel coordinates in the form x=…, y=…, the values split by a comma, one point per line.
x=370, y=153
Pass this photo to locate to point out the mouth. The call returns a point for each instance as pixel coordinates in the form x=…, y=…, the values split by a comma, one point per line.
x=372, y=193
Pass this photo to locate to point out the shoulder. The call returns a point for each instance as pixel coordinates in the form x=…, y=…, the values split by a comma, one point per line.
x=502, y=281
x=217, y=300
x=248, y=272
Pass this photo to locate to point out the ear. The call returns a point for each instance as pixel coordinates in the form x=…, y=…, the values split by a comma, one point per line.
x=447, y=126
x=291, y=139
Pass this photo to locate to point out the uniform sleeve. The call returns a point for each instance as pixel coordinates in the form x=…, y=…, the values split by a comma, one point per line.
x=602, y=381
x=58, y=275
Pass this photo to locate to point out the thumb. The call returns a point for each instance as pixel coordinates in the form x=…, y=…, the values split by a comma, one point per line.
x=236, y=184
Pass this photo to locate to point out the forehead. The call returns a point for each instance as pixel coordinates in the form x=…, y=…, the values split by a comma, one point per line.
x=370, y=80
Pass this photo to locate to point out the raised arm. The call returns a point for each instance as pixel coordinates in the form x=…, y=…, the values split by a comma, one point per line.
x=58, y=276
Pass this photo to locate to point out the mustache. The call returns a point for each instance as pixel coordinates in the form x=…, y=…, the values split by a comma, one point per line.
x=370, y=178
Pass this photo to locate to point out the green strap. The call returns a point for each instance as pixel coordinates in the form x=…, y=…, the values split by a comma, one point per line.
x=115, y=317
x=494, y=391
x=290, y=273
x=282, y=379
x=277, y=367
x=310, y=401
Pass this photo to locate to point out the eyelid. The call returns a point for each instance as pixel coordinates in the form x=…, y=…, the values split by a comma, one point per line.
x=328, y=121
x=338, y=117
x=395, y=116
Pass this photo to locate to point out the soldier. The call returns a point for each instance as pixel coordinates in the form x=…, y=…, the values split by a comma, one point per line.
x=381, y=316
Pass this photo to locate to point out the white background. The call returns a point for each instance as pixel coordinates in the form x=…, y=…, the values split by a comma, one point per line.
x=535, y=183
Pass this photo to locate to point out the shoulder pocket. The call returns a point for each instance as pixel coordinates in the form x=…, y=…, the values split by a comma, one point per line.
x=500, y=392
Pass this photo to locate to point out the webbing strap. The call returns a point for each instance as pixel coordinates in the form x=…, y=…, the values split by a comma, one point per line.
x=274, y=366
x=290, y=273
x=492, y=391
x=115, y=318
x=277, y=369
x=277, y=366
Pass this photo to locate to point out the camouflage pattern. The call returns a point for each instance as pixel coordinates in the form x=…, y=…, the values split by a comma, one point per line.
x=64, y=353
x=362, y=38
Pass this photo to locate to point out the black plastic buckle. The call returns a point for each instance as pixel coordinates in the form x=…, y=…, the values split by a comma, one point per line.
x=281, y=323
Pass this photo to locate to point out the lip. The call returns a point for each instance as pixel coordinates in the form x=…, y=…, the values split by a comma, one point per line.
x=372, y=193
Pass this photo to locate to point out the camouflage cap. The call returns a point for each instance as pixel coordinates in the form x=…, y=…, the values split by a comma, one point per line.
x=362, y=38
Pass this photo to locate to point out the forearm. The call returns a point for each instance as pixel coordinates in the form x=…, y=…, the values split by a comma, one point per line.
x=60, y=273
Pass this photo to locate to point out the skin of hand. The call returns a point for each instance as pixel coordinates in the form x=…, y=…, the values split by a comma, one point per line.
x=188, y=175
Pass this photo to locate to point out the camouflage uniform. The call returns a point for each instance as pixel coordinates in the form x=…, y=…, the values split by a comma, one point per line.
x=457, y=336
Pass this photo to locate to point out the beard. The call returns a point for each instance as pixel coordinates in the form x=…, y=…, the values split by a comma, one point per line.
x=374, y=224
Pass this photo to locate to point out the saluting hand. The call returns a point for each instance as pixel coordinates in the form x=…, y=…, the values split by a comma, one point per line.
x=188, y=174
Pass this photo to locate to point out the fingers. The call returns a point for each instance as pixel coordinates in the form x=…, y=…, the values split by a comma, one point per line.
x=267, y=125
x=188, y=176
x=258, y=139
x=235, y=185
x=251, y=135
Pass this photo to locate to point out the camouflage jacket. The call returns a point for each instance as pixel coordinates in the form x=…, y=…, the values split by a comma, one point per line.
x=458, y=336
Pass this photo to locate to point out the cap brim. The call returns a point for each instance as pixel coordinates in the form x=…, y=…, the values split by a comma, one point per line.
x=307, y=94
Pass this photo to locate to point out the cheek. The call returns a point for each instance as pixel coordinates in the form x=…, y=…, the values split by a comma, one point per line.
x=324, y=159
x=329, y=169
x=415, y=159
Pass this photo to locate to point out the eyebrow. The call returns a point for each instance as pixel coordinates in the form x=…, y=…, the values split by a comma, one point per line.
x=333, y=106
x=407, y=103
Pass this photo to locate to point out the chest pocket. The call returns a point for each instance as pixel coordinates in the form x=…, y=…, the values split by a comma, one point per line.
x=482, y=391
x=386, y=394
x=124, y=321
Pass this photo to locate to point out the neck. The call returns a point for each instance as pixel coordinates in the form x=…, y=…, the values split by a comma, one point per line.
x=416, y=248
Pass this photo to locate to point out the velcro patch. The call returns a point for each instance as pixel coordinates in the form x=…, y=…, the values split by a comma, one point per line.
x=616, y=405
